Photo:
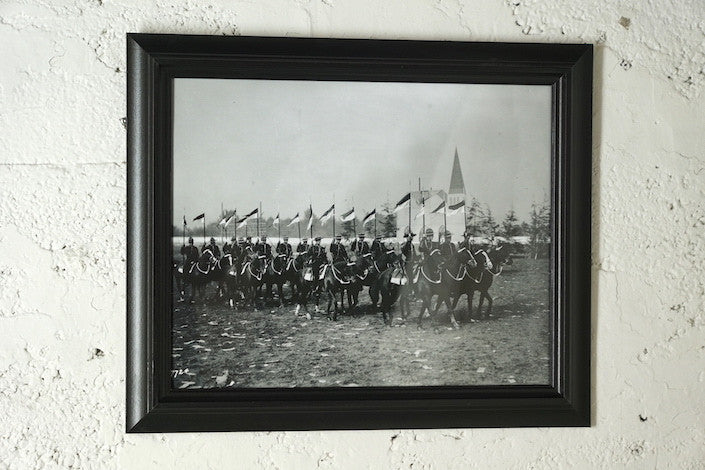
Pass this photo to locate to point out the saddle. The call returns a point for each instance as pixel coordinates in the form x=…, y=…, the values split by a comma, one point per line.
x=399, y=277
x=308, y=274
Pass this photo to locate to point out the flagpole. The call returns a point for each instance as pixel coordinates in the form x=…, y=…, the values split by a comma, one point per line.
x=423, y=209
x=259, y=217
x=235, y=215
x=298, y=222
x=354, y=224
x=465, y=217
x=333, y=218
x=204, y=228
x=310, y=222
x=279, y=229
x=183, y=238
x=375, y=222
x=410, y=214
x=445, y=220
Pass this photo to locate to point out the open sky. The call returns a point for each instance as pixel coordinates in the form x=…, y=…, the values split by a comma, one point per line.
x=288, y=143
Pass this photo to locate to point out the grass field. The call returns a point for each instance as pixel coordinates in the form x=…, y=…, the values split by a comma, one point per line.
x=215, y=346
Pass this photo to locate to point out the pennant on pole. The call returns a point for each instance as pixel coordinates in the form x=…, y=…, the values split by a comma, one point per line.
x=242, y=222
x=310, y=222
x=184, y=221
x=403, y=202
x=230, y=219
x=276, y=220
x=295, y=220
x=348, y=216
x=253, y=213
x=369, y=217
x=455, y=208
x=327, y=214
x=421, y=213
x=223, y=220
x=439, y=208
x=199, y=216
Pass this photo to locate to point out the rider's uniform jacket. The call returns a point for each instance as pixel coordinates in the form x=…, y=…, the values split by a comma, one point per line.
x=284, y=248
x=448, y=249
x=235, y=250
x=467, y=244
x=264, y=248
x=317, y=253
x=214, y=249
x=190, y=252
x=408, y=250
x=361, y=247
x=302, y=247
x=376, y=248
x=226, y=248
x=426, y=246
x=338, y=252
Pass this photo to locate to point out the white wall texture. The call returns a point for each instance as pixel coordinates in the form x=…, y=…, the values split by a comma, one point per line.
x=62, y=232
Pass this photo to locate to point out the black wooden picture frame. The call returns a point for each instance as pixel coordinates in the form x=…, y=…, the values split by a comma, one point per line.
x=155, y=60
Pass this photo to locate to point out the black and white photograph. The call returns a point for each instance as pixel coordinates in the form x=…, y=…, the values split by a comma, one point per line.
x=360, y=234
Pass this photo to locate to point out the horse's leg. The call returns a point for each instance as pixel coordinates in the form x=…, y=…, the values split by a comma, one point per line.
x=374, y=295
x=280, y=289
x=332, y=294
x=317, y=293
x=453, y=321
x=489, y=303
x=471, y=295
x=479, y=304
x=425, y=302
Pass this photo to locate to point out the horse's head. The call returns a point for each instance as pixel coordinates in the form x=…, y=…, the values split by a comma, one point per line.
x=434, y=259
x=501, y=255
x=207, y=257
x=363, y=262
x=465, y=257
x=279, y=262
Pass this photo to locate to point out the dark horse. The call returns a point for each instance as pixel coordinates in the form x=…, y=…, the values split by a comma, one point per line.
x=366, y=271
x=489, y=265
x=292, y=274
x=458, y=273
x=274, y=275
x=429, y=282
x=308, y=283
x=336, y=278
x=200, y=274
x=251, y=278
x=389, y=285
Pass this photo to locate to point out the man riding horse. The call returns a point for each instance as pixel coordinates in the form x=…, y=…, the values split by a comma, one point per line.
x=303, y=246
x=317, y=256
x=284, y=248
x=190, y=254
x=212, y=247
x=407, y=249
x=263, y=248
x=337, y=250
x=377, y=249
x=447, y=248
x=427, y=244
x=360, y=247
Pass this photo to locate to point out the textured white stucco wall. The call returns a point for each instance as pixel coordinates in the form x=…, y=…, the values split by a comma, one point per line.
x=62, y=233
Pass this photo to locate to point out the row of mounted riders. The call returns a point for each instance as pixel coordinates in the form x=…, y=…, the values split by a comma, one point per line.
x=438, y=269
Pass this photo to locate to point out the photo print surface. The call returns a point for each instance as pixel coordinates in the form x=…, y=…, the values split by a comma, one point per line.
x=371, y=234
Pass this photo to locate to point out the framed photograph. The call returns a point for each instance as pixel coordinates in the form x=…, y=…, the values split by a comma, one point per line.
x=357, y=234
